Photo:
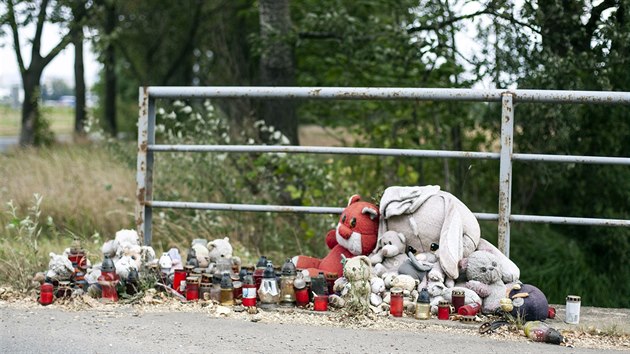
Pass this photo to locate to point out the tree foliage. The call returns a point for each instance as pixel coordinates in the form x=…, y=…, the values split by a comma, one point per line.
x=573, y=45
x=19, y=15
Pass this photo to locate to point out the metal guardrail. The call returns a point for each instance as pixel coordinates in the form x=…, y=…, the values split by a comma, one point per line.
x=147, y=146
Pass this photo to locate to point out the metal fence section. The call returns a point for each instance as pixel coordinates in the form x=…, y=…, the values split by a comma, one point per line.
x=507, y=98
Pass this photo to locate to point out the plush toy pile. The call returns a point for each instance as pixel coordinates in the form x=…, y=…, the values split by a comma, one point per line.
x=419, y=240
x=125, y=262
x=427, y=239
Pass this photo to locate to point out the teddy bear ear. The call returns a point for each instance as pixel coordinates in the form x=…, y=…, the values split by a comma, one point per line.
x=463, y=264
x=355, y=198
x=402, y=237
x=343, y=260
x=372, y=213
x=366, y=260
x=227, y=239
x=211, y=245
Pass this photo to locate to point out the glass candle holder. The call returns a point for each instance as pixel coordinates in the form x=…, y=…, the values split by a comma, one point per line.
x=572, y=312
x=192, y=288
x=178, y=276
x=249, y=290
x=396, y=302
x=320, y=303
x=46, y=294
x=227, y=290
x=458, y=298
x=469, y=310
x=444, y=310
x=268, y=292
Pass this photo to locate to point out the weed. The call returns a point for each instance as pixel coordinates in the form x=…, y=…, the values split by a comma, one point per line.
x=20, y=263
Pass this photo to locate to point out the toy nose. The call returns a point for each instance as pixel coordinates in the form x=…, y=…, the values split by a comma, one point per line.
x=344, y=231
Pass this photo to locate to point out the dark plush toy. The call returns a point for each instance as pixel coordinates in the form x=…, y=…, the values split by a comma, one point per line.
x=533, y=306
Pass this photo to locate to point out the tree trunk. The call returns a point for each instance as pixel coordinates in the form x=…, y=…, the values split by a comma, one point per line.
x=79, y=85
x=30, y=108
x=277, y=65
x=110, y=73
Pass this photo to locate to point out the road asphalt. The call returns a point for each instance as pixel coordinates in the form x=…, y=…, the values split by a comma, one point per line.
x=122, y=330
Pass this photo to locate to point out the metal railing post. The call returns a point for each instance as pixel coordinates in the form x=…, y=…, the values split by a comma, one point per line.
x=144, y=175
x=505, y=172
x=143, y=144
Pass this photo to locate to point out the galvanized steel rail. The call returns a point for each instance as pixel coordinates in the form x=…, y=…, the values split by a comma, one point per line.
x=147, y=146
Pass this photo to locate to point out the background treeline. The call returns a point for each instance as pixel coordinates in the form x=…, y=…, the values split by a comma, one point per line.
x=565, y=45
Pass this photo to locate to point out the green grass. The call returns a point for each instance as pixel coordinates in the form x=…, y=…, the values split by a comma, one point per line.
x=61, y=119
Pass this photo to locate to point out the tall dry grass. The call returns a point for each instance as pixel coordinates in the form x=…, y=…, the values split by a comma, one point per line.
x=84, y=189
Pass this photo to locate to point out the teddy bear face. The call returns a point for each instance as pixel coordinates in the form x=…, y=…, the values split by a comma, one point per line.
x=130, y=236
x=405, y=282
x=357, y=268
x=202, y=254
x=219, y=248
x=357, y=229
x=378, y=285
x=483, y=267
x=393, y=243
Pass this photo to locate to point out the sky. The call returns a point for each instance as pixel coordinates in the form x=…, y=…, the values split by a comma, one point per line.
x=61, y=67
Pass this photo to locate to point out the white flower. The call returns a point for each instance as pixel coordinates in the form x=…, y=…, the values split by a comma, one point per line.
x=178, y=103
x=285, y=140
x=161, y=111
x=186, y=110
x=277, y=135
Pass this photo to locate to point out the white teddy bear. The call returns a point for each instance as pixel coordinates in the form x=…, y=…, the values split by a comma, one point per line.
x=391, y=255
x=59, y=267
x=124, y=265
x=221, y=248
x=202, y=254
x=378, y=291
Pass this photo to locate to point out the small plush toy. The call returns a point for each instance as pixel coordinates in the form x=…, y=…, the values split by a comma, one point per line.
x=355, y=235
x=124, y=265
x=59, y=267
x=175, y=257
x=377, y=286
x=127, y=243
x=358, y=271
x=391, y=255
x=529, y=303
x=408, y=285
x=221, y=248
x=418, y=265
x=202, y=254
x=484, y=277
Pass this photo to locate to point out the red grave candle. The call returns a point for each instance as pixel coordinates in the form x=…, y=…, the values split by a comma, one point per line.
x=46, y=294
x=396, y=303
x=444, y=310
x=320, y=303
